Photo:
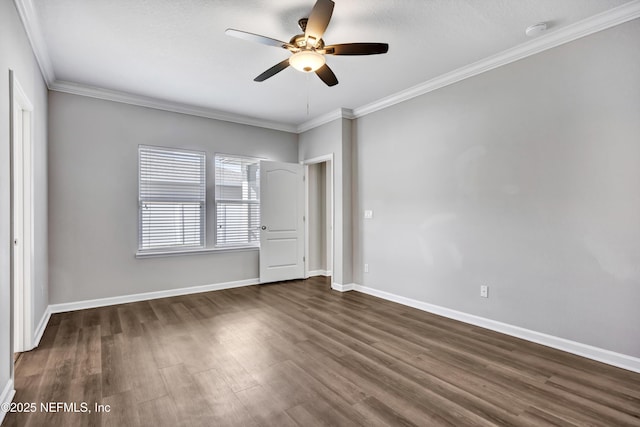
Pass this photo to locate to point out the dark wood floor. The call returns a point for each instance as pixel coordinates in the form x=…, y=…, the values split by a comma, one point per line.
x=298, y=353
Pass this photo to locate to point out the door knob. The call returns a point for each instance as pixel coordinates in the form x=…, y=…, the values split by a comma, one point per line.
x=264, y=227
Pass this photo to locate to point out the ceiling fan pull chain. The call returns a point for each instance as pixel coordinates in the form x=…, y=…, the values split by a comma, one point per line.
x=308, y=90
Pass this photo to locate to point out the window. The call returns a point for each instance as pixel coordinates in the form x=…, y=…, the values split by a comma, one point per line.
x=171, y=199
x=237, y=201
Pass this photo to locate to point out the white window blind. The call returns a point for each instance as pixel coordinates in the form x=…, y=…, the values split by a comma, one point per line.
x=237, y=201
x=171, y=196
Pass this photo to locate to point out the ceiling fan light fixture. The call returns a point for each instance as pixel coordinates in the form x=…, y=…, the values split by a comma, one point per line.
x=307, y=61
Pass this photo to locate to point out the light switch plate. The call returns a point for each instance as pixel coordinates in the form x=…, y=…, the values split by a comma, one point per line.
x=368, y=214
x=484, y=291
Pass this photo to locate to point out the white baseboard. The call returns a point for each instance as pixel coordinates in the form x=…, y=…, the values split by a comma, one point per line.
x=6, y=397
x=315, y=273
x=342, y=288
x=590, y=352
x=102, y=302
x=37, y=336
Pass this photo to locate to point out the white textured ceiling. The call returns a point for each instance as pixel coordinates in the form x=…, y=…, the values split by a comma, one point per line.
x=176, y=50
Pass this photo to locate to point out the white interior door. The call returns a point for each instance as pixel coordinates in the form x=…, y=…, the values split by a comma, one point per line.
x=282, y=221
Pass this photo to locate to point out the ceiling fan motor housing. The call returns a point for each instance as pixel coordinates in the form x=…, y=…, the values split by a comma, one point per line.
x=300, y=41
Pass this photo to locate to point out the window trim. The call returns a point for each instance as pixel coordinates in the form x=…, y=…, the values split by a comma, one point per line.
x=231, y=247
x=203, y=251
x=142, y=253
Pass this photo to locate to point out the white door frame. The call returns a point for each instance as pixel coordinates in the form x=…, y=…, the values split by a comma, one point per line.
x=22, y=221
x=328, y=158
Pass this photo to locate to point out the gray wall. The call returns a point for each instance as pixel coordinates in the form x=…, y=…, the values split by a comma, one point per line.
x=93, y=209
x=526, y=179
x=16, y=54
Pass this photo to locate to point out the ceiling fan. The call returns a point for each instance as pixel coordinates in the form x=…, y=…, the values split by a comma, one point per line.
x=308, y=49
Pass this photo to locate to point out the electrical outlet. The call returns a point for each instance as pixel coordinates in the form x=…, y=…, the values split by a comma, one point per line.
x=484, y=291
x=368, y=214
x=366, y=268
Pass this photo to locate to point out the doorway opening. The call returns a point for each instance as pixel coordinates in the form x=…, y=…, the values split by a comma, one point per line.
x=21, y=122
x=319, y=217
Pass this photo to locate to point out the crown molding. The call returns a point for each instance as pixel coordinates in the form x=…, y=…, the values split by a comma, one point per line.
x=31, y=26
x=610, y=18
x=158, y=104
x=340, y=113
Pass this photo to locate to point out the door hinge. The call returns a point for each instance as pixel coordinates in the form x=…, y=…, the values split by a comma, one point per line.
x=304, y=218
x=304, y=178
x=304, y=259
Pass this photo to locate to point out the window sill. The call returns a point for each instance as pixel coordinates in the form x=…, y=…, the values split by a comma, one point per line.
x=200, y=251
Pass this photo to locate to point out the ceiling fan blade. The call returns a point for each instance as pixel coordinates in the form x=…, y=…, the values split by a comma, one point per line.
x=319, y=19
x=257, y=38
x=272, y=71
x=326, y=75
x=357, y=49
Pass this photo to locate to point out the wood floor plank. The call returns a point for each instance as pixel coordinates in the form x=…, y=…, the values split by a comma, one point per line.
x=128, y=320
x=34, y=362
x=91, y=317
x=534, y=417
x=372, y=386
x=234, y=374
x=616, y=399
x=115, y=377
x=88, y=352
x=30, y=387
x=559, y=367
x=159, y=412
x=253, y=355
x=188, y=396
x=226, y=407
x=321, y=414
x=64, y=345
x=143, y=311
x=265, y=408
x=467, y=380
x=55, y=386
x=163, y=311
x=159, y=342
x=123, y=411
x=85, y=390
x=439, y=408
x=146, y=379
x=380, y=414
x=299, y=354
x=110, y=321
